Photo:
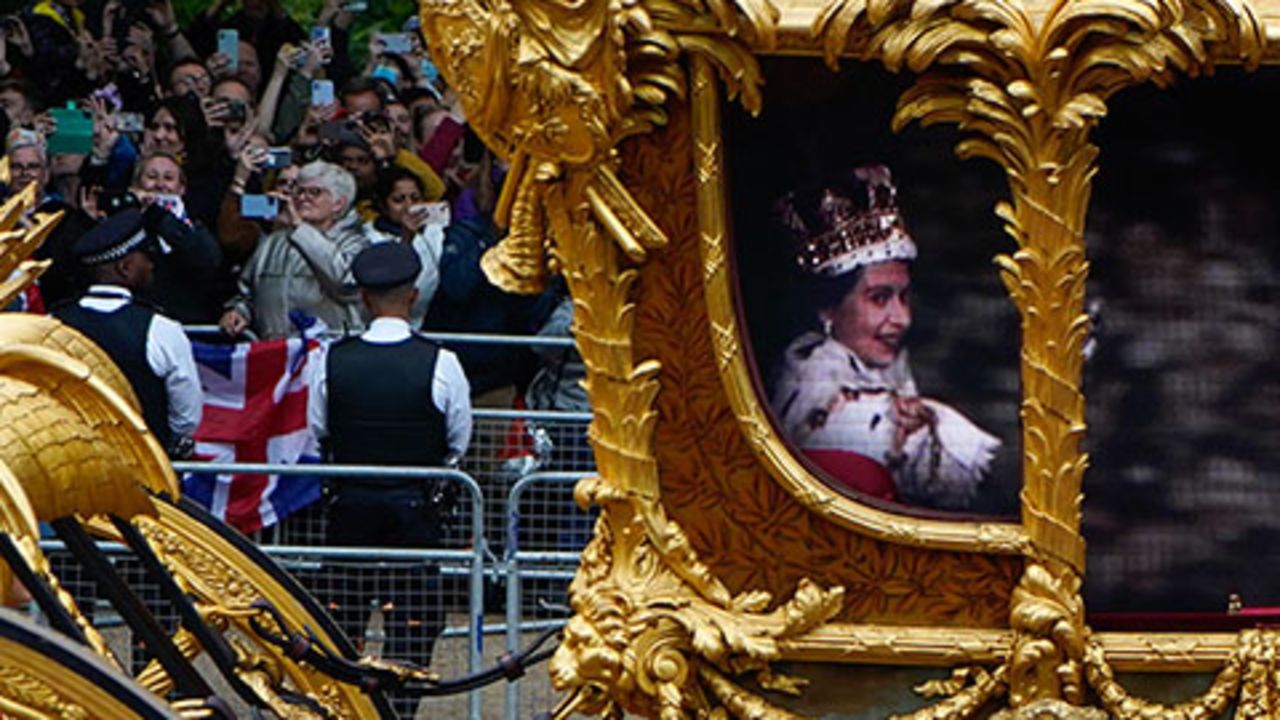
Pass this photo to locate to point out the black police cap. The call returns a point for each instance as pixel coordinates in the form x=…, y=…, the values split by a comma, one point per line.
x=112, y=238
x=386, y=265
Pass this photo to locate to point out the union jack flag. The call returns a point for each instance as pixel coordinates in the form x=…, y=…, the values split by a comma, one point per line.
x=255, y=411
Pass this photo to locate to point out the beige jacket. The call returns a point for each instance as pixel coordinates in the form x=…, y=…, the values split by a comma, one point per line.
x=302, y=269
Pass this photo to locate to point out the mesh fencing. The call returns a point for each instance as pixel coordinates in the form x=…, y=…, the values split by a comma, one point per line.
x=416, y=604
x=545, y=533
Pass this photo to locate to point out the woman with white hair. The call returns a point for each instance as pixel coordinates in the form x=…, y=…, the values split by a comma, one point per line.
x=305, y=267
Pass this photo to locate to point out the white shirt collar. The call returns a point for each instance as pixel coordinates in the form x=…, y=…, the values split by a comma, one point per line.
x=387, y=330
x=107, y=289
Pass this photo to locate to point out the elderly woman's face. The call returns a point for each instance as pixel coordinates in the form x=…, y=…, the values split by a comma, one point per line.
x=316, y=204
x=875, y=315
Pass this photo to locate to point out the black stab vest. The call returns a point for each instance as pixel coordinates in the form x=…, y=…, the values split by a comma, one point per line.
x=380, y=409
x=122, y=334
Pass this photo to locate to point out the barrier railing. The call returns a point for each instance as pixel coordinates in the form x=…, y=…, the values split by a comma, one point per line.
x=476, y=554
x=513, y=556
x=444, y=338
x=542, y=537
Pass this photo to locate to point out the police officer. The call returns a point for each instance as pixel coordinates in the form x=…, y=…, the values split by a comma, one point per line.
x=151, y=350
x=390, y=397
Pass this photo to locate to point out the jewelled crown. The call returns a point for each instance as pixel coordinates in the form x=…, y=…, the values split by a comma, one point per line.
x=849, y=223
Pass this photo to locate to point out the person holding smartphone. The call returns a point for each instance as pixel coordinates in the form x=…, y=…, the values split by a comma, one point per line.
x=263, y=24
x=305, y=267
x=258, y=200
x=405, y=217
x=188, y=259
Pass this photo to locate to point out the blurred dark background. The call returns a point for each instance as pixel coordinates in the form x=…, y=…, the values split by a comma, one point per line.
x=1183, y=497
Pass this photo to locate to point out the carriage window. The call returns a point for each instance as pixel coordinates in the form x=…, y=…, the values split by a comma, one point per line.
x=1183, y=495
x=885, y=346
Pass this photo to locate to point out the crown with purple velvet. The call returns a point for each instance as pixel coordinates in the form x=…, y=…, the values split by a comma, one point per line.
x=849, y=223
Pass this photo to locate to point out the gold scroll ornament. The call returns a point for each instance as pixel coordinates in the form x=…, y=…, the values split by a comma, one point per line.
x=1026, y=83
x=73, y=443
x=554, y=88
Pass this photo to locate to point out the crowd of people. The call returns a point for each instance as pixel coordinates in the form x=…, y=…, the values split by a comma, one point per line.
x=243, y=171
x=262, y=157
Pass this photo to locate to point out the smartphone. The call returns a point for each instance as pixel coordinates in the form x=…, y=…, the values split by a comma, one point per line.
x=74, y=133
x=430, y=72
x=229, y=45
x=437, y=212
x=110, y=94
x=172, y=203
x=129, y=122
x=398, y=43
x=278, y=157
x=260, y=207
x=320, y=39
x=237, y=111
x=355, y=6
x=388, y=73
x=321, y=92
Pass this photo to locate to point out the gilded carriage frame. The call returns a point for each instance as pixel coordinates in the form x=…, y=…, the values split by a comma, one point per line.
x=715, y=554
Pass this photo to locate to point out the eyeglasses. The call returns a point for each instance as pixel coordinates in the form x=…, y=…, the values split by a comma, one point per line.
x=26, y=167
x=309, y=191
x=197, y=80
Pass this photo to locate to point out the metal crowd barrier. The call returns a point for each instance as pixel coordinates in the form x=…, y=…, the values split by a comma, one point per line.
x=542, y=539
x=444, y=338
x=475, y=556
x=513, y=557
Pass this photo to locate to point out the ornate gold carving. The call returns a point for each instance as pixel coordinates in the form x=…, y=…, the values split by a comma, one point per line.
x=1048, y=709
x=223, y=584
x=985, y=537
x=962, y=698
x=23, y=692
x=17, y=243
x=73, y=443
x=1247, y=679
x=554, y=89
x=44, y=675
x=898, y=645
x=653, y=624
x=69, y=443
x=751, y=526
x=1214, y=701
x=47, y=332
x=1027, y=83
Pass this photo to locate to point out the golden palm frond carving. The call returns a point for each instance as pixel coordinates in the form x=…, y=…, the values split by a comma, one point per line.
x=554, y=88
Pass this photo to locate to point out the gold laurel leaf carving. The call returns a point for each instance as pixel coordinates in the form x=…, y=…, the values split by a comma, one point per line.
x=23, y=692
